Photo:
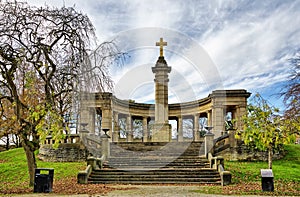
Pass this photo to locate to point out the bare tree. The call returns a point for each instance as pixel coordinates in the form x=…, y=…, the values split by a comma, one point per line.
x=52, y=45
x=187, y=127
x=291, y=97
x=292, y=90
x=137, y=128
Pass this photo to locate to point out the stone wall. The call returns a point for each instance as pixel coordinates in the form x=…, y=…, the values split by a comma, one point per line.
x=243, y=153
x=235, y=150
x=66, y=152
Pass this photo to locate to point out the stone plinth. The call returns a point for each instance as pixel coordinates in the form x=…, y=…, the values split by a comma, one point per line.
x=161, y=132
x=209, y=142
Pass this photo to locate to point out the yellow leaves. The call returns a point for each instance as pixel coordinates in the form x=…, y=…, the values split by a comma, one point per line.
x=263, y=127
x=13, y=117
x=36, y=113
x=51, y=124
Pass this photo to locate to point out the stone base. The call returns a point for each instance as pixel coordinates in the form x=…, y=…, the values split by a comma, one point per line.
x=161, y=132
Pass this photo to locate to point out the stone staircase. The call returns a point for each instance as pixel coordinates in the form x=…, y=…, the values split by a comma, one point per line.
x=147, y=163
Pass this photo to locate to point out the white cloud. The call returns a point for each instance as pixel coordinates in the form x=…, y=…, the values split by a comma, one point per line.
x=249, y=42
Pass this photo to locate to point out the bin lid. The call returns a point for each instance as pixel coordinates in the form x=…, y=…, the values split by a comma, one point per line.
x=45, y=169
x=266, y=173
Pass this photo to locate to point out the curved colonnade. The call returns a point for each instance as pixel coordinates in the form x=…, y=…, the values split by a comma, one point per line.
x=215, y=108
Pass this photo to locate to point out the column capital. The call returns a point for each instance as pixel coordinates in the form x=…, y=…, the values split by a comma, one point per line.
x=197, y=114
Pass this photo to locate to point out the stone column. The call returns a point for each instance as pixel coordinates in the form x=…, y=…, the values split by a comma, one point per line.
x=209, y=123
x=161, y=131
x=87, y=116
x=179, y=129
x=196, y=127
x=240, y=112
x=116, y=131
x=107, y=120
x=92, y=120
x=145, y=129
x=161, y=71
x=218, y=120
x=129, y=128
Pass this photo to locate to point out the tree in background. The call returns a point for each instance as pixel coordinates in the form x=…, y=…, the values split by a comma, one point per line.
x=291, y=97
x=7, y=130
x=43, y=61
x=264, y=128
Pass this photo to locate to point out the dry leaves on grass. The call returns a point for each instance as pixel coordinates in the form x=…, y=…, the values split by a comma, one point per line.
x=65, y=186
x=2, y=161
x=70, y=186
x=8, y=188
x=255, y=188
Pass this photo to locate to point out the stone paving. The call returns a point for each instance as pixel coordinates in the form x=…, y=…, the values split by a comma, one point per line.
x=142, y=190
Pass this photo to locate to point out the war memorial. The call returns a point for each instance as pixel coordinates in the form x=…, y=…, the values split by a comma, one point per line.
x=215, y=107
x=115, y=155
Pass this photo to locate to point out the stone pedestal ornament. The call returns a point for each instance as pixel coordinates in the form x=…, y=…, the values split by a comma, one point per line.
x=208, y=140
x=105, y=144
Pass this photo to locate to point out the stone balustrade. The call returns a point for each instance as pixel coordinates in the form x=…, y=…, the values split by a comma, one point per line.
x=69, y=139
x=218, y=164
x=70, y=149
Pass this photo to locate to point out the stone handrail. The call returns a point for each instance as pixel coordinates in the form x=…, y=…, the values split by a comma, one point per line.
x=96, y=163
x=218, y=164
x=225, y=175
x=93, y=164
x=83, y=176
x=221, y=143
x=224, y=142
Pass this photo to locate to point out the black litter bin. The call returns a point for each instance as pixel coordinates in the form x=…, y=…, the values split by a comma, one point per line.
x=267, y=180
x=43, y=180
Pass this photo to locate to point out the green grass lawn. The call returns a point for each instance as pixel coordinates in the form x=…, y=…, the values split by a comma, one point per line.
x=14, y=171
x=285, y=170
x=245, y=175
x=246, y=178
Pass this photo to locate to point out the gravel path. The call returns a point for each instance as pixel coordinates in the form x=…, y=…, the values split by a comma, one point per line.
x=141, y=191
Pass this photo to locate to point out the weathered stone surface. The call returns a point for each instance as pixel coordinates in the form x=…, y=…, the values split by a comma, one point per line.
x=64, y=153
x=161, y=132
x=243, y=153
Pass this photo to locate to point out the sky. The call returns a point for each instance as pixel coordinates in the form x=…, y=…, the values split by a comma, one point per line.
x=215, y=44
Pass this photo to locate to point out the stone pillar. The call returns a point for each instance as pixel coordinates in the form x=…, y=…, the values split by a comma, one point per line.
x=92, y=120
x=209, y=123
x=105, y=145
x=145, y=129
x=232, y=140
x=240, y=112
x=209, y=142
x=196, y=127
x=179, y=129
x=161, y=131
x=107, y=120
x=116, y=132
x=218, y=120
x=129, y=128
x=161, y=71
x=87, y=116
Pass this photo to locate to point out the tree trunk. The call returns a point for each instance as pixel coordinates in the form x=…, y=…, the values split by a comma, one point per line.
x=7, y=142
x=270, y=157
x=31, y=163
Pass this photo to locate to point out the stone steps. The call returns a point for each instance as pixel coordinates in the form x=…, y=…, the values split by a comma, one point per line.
x=173, y=176
x=171, y=163
x=153, y=163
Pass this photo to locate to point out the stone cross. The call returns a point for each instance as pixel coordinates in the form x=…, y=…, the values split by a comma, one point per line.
x=161, y=44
